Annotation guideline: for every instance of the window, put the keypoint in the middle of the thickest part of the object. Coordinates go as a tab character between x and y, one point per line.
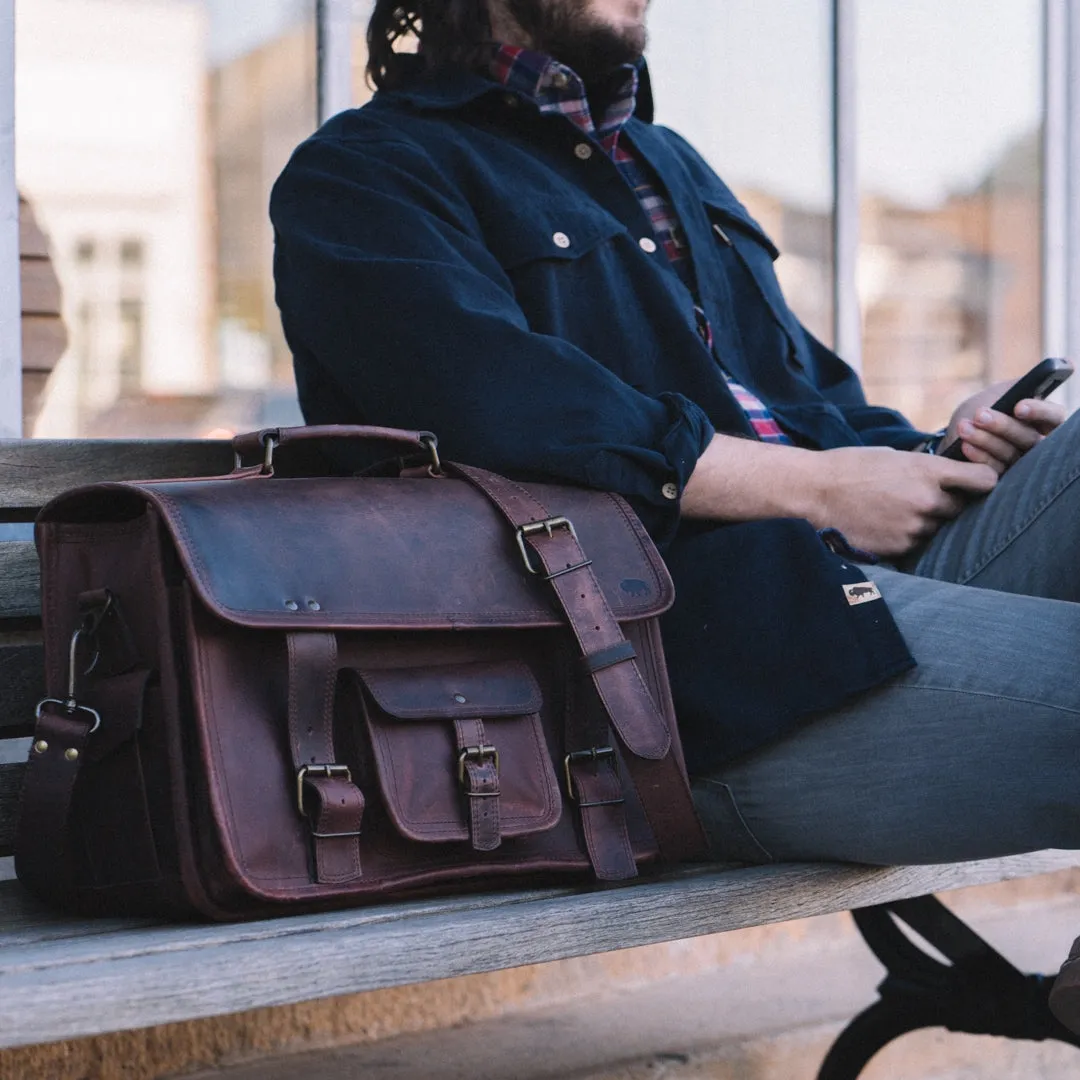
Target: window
148	135
950	139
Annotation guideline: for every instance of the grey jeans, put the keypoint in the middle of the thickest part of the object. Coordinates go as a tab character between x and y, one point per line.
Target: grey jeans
974	753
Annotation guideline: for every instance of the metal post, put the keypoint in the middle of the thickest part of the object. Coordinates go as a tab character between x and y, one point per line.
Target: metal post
1055	163
334	34
847	328
10	299
1072	173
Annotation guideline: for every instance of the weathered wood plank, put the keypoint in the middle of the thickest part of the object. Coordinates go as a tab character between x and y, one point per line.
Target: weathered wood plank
32	471
20	580
32	241
22	682
33	393
53	988
44	339
40	289
10	786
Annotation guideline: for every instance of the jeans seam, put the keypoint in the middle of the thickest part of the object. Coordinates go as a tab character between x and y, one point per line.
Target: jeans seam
990	696
741	821
1021	529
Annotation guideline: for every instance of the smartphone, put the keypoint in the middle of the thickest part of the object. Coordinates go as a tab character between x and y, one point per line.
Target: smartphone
1041	381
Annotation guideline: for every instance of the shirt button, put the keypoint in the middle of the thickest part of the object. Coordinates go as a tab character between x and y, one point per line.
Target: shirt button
511	100
560	80
583	151
670	491
561	240
648	245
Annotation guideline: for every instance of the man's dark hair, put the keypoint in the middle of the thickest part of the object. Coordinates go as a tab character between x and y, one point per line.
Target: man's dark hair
451	34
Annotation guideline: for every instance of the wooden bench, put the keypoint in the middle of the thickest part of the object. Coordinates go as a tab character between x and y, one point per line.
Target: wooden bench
56	970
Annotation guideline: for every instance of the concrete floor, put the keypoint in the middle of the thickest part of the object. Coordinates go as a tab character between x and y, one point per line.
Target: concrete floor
770	1014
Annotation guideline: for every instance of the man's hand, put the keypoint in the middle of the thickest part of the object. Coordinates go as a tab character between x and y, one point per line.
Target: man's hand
882	500
889	502
994	439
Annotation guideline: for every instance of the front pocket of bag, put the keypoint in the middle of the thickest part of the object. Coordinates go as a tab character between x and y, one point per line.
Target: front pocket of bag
410	713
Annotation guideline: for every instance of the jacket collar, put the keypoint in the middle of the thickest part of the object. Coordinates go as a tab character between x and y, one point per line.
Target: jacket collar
452	91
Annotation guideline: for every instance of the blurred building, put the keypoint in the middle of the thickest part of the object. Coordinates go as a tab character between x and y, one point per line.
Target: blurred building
112	147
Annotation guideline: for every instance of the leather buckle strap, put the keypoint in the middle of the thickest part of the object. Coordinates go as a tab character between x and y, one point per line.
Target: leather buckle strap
317	770
641	726
594	755
480	755
478	774
326	796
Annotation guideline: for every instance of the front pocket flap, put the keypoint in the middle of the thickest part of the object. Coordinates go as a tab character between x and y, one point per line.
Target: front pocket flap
558	231
417	762
465	690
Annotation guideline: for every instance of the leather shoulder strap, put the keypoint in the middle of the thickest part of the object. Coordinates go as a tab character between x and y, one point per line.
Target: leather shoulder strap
660	781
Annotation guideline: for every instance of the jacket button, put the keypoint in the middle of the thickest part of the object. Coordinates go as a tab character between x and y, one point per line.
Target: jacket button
561	240
583	151
648	245
511	100
670	491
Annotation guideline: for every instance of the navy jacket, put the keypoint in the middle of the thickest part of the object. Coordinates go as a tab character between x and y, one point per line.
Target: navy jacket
446	261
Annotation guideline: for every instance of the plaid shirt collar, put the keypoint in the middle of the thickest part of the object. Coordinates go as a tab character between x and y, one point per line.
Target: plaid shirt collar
555	88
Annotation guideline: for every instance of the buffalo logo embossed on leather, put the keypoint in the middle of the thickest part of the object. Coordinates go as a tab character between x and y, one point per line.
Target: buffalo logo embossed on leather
634	587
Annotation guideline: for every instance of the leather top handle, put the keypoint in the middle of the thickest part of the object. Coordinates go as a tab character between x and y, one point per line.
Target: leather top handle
268	439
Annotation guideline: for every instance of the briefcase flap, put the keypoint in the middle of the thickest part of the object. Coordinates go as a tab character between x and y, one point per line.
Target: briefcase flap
387	553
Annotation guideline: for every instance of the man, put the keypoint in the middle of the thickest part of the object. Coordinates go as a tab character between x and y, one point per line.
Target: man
502	248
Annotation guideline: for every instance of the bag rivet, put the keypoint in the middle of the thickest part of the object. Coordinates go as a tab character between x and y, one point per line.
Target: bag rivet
314	605
460	699
291	605
71	754
40	746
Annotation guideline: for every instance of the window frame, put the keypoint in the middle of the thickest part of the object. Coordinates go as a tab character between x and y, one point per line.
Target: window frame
334	23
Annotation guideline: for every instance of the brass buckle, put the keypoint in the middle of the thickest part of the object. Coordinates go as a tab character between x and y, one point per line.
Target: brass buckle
593	755
476	753
321	770
548	525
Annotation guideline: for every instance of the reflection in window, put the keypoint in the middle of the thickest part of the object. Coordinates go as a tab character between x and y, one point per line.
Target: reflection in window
131	252
148	141
950	172
749	84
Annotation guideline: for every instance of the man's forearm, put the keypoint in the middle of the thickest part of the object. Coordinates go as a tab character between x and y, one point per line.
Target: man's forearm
746	480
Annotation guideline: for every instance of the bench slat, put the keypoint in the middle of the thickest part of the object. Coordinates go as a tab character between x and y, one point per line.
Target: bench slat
54	984
33	471
10	786
22	683
20	580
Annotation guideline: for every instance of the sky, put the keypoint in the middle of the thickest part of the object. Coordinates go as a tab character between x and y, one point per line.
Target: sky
944	86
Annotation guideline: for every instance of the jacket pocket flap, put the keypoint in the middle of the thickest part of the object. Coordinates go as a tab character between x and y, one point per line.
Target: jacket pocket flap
550	231
734	214
443	693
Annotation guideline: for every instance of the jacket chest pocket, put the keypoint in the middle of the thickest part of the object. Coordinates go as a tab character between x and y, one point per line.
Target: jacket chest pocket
545	232
748	253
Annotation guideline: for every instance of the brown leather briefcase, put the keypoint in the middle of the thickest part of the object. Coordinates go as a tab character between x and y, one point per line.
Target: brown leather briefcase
269	694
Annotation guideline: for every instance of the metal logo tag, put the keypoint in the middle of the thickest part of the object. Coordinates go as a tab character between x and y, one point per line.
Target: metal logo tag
861	592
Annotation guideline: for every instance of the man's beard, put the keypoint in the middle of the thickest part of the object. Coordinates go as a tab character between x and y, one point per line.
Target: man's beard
564	30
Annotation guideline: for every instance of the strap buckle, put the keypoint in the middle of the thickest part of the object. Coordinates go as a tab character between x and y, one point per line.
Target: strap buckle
594	755
548	525
319	770
70	704
480	754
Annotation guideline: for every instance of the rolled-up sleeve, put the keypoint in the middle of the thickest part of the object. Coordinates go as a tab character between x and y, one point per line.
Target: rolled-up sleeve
398	314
